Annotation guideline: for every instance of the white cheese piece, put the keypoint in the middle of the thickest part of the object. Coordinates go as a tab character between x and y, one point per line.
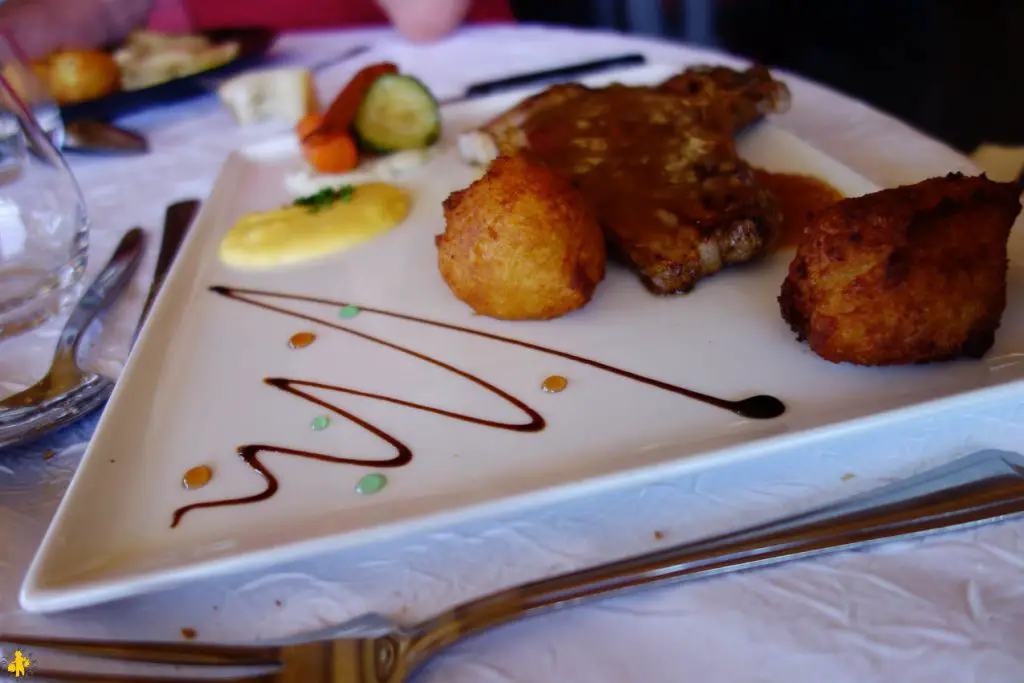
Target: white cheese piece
284	94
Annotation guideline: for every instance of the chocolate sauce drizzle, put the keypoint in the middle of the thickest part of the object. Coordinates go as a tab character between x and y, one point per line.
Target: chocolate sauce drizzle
756	407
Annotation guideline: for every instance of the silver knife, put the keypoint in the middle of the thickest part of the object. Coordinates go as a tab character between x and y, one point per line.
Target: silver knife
98	137
177	220
558	74
351	52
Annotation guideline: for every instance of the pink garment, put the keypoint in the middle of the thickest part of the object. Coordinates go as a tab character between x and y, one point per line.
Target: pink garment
169	16
187	15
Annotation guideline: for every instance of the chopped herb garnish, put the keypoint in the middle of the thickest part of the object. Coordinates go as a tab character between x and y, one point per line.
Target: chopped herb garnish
326	197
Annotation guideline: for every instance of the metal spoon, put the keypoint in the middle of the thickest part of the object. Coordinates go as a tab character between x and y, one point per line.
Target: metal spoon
68	392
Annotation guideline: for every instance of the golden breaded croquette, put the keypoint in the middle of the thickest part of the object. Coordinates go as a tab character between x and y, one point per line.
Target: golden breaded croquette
912	274
520	243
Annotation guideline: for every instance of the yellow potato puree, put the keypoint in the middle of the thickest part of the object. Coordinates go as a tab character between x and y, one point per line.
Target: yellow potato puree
298	233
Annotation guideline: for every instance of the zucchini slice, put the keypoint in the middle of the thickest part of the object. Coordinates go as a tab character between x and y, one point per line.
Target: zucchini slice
398	112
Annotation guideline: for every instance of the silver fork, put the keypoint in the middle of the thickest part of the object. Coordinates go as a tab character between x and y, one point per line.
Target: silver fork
66	383
982	487
68	393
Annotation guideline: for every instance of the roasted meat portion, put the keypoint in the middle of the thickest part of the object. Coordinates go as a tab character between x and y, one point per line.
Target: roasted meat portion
658	166
729	98
912	274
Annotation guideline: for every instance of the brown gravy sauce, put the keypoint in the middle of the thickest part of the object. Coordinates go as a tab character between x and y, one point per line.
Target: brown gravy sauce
799	197
755	407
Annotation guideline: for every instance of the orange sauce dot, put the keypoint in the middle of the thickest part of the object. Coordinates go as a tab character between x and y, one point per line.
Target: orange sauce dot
301	340
197	477
554	384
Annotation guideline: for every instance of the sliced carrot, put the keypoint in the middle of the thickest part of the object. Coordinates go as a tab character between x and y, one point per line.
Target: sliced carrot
308	124
342	111
331	152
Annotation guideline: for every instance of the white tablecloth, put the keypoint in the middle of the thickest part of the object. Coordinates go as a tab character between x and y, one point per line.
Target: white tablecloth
950	609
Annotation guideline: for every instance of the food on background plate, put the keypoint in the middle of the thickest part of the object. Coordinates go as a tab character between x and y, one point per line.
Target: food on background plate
77	75
379	111
149	58
657	165
520	243
314	226
72	75
912	274
285	94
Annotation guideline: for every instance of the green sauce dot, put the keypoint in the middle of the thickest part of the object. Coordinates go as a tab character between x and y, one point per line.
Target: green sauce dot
371	483
348	312
320	423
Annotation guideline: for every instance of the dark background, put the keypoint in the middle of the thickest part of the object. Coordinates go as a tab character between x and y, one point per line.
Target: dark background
952	68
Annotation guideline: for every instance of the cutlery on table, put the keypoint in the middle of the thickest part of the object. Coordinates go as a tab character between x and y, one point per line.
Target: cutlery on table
99	137
982	487
334	60
65	376
177	221
555	75
212	84
95	138
67	393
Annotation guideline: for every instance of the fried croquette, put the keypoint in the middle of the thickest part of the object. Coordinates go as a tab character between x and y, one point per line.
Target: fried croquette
520	243
913	274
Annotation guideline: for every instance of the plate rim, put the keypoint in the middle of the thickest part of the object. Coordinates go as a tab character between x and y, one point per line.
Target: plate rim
45	600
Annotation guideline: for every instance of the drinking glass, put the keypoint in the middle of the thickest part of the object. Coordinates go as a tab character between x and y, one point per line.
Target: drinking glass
44	227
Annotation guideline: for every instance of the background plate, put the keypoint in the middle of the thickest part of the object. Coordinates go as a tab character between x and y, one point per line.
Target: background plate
192	391
254	42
